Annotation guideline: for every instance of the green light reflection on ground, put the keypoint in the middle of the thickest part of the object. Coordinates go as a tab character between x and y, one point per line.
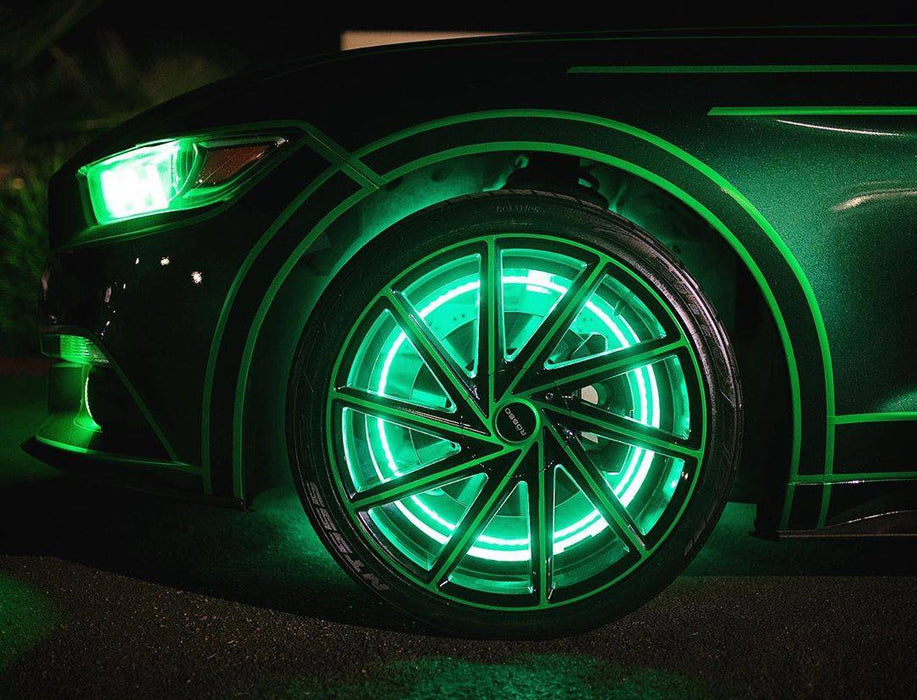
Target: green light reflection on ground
26	617
532	676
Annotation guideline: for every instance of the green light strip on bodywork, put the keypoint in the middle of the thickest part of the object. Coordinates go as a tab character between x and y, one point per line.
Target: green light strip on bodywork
695	205
811	111
830	477
828	110
332	151
118	459
853	418
745	69
340	161
729	189
854	477
718	225
537	146
733	240
251	339
571	116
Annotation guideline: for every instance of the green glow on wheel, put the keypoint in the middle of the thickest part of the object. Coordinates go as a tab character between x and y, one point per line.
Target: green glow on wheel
380	448
634	473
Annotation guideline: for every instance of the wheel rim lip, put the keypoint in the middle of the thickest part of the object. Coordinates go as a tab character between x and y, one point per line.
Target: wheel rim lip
515	602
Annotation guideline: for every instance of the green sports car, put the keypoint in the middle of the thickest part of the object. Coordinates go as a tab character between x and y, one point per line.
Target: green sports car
516	315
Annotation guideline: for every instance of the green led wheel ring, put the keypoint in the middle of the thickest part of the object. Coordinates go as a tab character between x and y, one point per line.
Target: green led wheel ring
412	372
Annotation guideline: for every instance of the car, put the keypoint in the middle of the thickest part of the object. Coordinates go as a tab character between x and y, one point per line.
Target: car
511	312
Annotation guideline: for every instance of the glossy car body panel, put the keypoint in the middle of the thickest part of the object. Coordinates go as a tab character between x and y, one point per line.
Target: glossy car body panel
796	148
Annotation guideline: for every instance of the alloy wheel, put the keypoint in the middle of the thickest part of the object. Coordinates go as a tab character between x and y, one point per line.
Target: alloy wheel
516	422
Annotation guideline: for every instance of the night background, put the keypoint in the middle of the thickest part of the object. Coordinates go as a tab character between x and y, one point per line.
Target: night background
111	594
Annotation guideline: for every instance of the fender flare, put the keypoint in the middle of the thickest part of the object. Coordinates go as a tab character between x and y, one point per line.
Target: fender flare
792	302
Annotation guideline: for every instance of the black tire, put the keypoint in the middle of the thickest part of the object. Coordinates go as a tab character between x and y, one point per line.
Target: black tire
430	230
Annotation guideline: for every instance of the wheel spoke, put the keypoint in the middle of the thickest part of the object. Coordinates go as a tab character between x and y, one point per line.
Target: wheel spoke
436	358
602	367
549	331
541	525
439	423
589	479
583	416
489	501
489	314
428	477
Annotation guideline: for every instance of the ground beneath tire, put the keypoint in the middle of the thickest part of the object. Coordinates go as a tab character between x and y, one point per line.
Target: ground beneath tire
112	593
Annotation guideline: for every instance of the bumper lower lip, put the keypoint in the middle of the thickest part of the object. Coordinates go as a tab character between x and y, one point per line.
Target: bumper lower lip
95	423
149	475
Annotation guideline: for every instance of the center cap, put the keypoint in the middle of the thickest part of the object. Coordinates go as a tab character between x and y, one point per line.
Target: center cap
516	421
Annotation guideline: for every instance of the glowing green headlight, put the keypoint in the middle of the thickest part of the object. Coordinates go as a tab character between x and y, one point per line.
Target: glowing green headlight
173	175
140	181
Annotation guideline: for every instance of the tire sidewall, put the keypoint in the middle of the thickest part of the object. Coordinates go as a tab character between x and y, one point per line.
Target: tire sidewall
422	234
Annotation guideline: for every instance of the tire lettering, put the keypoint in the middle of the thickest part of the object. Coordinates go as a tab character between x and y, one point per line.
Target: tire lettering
336	540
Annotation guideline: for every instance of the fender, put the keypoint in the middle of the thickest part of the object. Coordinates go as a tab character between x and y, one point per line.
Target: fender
354	177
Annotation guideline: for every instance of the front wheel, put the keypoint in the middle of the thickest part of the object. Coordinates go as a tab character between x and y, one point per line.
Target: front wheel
514	414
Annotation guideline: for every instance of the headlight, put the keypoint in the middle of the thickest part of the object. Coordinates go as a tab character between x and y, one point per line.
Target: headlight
174	175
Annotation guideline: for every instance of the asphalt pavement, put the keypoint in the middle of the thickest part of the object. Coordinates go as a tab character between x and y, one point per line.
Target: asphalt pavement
106	592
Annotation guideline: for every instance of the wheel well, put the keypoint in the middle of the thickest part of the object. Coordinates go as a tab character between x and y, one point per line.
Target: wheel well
721	273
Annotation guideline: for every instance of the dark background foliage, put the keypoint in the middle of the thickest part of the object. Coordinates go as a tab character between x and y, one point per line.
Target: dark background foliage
69	69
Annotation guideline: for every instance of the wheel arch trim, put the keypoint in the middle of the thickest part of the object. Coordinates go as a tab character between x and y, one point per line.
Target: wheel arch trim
369	182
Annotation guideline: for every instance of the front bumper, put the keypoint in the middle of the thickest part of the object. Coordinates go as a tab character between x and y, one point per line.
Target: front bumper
136	400
96	427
